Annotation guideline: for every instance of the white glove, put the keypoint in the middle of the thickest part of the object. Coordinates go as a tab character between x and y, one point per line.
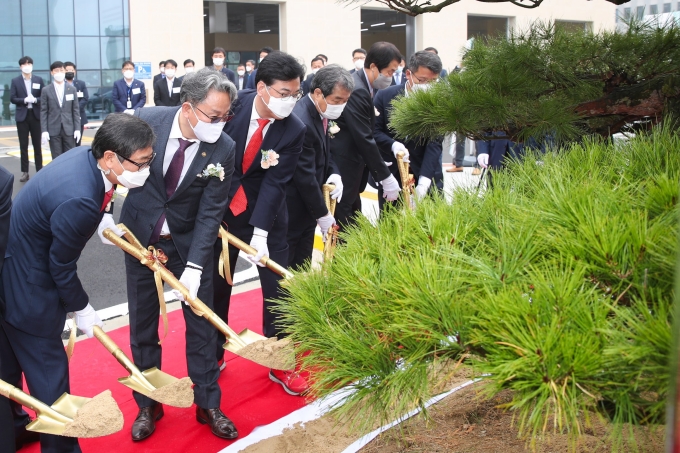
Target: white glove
336	193
107	222
390	188
76	135
45	138
259	243
29	99
422	187
129	111
325	223
86	319
191	279
483	160
399	147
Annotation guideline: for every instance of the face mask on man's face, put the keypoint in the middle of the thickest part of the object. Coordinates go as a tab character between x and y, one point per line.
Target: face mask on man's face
59	76
249	68
70	75
188	69
382	81
218	61
170	73
27	68
241	72
280	107
206	132
162	70
128	74
132	179
359	64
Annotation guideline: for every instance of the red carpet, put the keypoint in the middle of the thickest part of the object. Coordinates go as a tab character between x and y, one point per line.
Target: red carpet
249	398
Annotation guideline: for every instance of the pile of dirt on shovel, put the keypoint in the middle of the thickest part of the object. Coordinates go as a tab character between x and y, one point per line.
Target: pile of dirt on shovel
99	417
276	354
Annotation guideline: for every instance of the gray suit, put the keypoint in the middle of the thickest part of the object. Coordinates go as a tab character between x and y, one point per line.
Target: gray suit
193	214
60	120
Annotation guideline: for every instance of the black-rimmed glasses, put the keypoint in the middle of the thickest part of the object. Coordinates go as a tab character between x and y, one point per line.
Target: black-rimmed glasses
140	165
284	97
217	119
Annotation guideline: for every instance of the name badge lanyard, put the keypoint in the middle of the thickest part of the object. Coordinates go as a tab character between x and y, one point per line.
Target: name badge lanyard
129	102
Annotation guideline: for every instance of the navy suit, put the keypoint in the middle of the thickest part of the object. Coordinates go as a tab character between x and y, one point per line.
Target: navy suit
28	124
121	91
250	85
231	75
266	194
402	79
53	217
304	196
6	423
425	157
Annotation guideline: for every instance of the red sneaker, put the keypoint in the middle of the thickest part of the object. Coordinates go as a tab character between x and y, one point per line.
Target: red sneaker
291	381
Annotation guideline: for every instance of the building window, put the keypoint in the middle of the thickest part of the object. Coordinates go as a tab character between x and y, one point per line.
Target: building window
383	25
666	7
486	27
653	9
626	13
640	12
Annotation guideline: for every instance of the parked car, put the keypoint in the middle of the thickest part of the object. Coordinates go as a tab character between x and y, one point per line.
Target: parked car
101	101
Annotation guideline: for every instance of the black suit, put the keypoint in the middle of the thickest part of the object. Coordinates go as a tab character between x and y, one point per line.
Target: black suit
304	196
162	97
354	150
28	123
307	84
402	79
265	191
6	422
425	156
231	75
158	77
193	214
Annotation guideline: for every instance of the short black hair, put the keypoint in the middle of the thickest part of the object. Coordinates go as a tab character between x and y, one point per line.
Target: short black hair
123	134
219	50
69	63
171	62
279	66
241	64
359	50
56	64
318	59
127	62
266	49
403	59
431	49
325	58
25	60
162	63
381	54
189	60
252	62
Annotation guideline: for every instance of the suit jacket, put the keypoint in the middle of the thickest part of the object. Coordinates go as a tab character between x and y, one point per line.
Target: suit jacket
157	77
196	208
251	80
54	116
163	97
6	186
53	217
402	80
18	94
425	157
83	97
245	81
231	75
355	141
315	163
265	189
119	95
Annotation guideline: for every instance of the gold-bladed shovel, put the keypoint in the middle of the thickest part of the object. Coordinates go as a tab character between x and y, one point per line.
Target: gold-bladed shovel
154	383
332	233
70	416
266	351
239	244
407	184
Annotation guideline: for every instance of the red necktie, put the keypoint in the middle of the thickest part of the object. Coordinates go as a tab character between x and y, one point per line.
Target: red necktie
107	198
240	202
325	125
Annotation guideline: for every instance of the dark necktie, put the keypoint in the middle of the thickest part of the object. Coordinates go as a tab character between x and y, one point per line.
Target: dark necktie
239	203
107	198
171	179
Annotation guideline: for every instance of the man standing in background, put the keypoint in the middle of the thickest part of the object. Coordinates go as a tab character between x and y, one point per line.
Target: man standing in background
263	54
59	113
219	56
129	94
166	91
161	75
81	92
358	57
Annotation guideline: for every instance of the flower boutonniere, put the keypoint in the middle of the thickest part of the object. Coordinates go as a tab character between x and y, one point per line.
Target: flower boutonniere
333	128
269	158
212	170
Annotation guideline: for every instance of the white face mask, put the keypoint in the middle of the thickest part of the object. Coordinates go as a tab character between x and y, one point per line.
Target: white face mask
359	63
218	61
59	76
315	70
382	82
419	86
188	69
128	74
241	72
332	112
249	69
27	68
279	107
162	70
132	179
206	132
170	73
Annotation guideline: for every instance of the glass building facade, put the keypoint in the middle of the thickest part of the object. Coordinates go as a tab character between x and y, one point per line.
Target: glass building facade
94	34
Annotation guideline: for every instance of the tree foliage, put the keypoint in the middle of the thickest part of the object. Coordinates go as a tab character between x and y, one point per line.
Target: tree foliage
551	82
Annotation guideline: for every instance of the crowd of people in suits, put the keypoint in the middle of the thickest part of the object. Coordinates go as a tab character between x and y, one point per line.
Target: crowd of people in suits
249	151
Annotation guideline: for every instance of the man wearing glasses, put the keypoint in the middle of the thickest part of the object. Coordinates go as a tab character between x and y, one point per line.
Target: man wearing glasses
179	211
268	144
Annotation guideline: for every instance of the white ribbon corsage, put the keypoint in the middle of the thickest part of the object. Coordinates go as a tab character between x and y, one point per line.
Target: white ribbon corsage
333	129
269	158
212	170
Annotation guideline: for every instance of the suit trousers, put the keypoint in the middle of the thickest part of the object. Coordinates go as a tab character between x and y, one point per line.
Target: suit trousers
30	126
44	364
200	334
61	143
269	280
301	229
354	179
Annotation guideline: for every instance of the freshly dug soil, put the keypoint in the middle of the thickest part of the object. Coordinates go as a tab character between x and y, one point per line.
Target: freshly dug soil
98	417
177	394
272	353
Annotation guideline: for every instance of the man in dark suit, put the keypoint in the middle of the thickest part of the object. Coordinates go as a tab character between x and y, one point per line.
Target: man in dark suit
160	75
330	90
82	95
189	67
219	56
179	211
317	63
266	50
25	94
53	217
354	150
129	94
241	77
166	91
59	113
250	66
358	58
398	78
425	155
268	144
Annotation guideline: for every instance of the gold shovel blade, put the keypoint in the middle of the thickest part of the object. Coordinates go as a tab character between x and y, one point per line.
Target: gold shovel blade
67	405
153	380
279	360
248	337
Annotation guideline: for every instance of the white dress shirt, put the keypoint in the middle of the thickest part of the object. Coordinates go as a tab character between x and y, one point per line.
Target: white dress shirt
29	87
170	83
240	82
253	125
171	149
59	89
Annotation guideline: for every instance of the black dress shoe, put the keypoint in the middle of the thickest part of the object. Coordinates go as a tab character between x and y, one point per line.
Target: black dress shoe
220	425
145	423
25	437
24	177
